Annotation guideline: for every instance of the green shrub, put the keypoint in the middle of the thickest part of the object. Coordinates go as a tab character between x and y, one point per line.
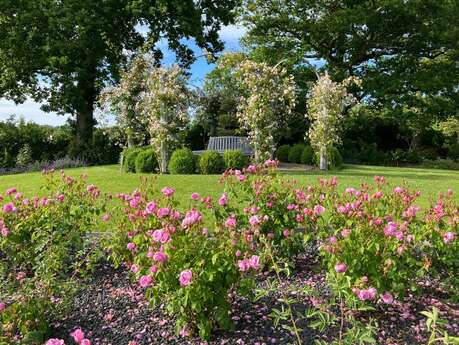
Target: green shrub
24	156
448	164
182	162
211	162
129	157
234	159
145	161
282	153
294	154
307	156
335	160
453	151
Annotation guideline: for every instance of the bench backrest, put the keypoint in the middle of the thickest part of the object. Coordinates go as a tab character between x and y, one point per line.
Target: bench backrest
222	144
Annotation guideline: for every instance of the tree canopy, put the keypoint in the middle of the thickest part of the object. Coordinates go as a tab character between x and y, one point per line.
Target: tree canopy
63	53
404	51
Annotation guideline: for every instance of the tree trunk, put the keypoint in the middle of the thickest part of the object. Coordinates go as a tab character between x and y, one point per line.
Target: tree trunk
163	148
164	158
85	109
323	159
84	129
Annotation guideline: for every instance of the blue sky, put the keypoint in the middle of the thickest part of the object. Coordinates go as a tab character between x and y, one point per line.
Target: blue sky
30	110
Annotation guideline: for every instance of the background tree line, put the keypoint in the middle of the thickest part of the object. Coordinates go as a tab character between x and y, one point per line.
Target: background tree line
404	53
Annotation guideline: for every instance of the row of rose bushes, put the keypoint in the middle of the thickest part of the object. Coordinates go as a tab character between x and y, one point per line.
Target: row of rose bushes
373	240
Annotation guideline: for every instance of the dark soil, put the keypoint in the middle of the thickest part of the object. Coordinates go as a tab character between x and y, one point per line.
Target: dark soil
112	310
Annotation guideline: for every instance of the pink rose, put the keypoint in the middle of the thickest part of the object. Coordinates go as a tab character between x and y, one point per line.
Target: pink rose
223	199
340	267
145	281
11	191
185	277
251	169
163	211
345	233
151	207
2	306
5	231
55	342
398	190
134	203
319	209
160	257
286	233
230	222
387	298
255	262
9	207
390	229
105	217
254	220
194	196
191	217
77	335
333	240
131	246
449	237
167	191
85	342
135	268
244	265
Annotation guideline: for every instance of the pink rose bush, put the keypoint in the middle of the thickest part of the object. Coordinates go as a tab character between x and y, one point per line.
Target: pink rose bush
185	258
270	209
379	233
42	242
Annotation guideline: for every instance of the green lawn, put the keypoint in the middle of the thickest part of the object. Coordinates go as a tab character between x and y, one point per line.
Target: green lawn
110	178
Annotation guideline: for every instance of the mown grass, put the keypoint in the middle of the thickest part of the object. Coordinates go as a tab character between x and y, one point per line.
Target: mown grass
111	179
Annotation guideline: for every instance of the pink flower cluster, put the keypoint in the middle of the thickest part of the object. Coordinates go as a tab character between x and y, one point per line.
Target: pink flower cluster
365	294
246	264
77	335
191	217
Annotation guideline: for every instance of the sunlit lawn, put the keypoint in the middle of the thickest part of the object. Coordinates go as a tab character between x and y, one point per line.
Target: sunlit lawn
111	179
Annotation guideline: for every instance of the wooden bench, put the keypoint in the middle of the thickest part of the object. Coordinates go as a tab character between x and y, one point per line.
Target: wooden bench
222	144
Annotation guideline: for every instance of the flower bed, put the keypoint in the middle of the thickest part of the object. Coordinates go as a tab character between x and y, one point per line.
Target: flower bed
375	246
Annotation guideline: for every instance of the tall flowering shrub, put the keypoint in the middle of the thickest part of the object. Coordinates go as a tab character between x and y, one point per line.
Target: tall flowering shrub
268	96
164	109
183	259
123	99
43	250
326	103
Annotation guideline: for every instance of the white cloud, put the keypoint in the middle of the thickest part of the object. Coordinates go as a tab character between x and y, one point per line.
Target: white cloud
232	33
31	111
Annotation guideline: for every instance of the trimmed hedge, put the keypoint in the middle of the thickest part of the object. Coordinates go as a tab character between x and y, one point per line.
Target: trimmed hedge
211	162
282	153
146	161
182	162
307	156
235	159
129	156
294	154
